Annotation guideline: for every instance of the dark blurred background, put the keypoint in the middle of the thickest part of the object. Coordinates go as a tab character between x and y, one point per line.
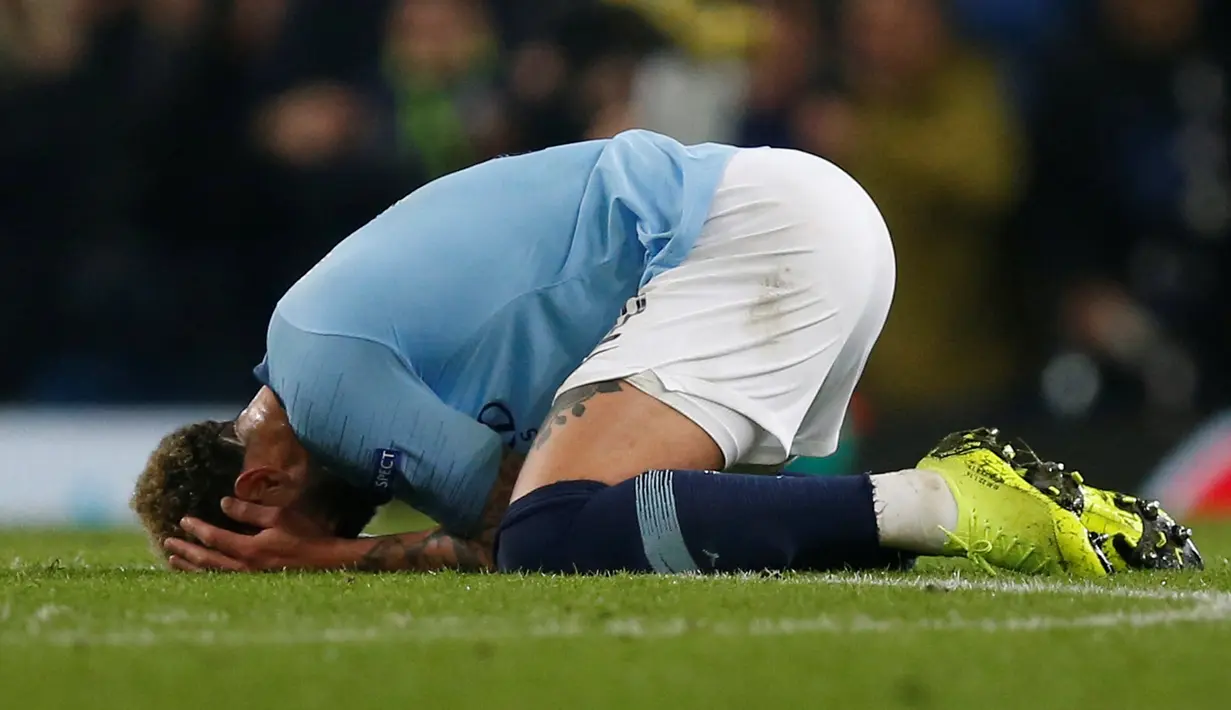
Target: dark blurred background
1054	172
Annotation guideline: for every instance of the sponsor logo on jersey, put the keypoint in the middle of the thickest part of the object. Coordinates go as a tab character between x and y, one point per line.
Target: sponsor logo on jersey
387	464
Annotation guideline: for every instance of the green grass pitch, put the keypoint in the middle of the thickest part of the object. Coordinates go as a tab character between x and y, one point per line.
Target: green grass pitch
86	621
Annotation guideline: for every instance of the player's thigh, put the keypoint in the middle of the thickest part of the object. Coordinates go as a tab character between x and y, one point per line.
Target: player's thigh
609	432
727	352
821	427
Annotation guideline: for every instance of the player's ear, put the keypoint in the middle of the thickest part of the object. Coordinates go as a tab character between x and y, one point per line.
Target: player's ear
267	485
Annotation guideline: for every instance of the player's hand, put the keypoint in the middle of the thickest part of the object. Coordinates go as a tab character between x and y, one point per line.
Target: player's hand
286	542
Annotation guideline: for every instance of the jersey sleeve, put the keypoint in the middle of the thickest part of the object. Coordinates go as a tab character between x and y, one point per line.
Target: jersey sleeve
356	405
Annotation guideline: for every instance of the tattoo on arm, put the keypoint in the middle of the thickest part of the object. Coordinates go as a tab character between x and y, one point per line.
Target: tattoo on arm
572	403
438	550
426	552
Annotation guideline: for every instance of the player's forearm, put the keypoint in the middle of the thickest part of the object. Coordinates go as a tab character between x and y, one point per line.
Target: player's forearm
431	550
423	551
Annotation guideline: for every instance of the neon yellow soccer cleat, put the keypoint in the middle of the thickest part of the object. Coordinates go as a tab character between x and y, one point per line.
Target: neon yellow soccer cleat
1005	522
1133	533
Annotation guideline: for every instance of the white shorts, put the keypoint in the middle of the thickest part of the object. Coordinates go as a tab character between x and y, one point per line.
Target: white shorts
761	334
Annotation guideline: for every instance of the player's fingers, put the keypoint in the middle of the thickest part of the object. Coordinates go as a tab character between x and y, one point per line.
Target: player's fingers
261	516
200	557
179	563
229	543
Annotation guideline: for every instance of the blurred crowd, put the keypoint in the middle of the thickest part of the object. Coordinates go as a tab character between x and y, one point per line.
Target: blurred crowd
1055	172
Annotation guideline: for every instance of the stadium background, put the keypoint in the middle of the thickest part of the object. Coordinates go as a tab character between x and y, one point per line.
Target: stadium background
1054	172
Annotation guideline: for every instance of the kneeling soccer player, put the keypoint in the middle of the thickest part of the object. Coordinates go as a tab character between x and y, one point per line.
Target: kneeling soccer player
665	311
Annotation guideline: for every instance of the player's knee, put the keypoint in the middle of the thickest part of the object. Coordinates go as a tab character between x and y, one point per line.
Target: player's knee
536	533
573	527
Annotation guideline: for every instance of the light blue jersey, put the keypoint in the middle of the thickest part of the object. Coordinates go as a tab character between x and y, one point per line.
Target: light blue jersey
437	334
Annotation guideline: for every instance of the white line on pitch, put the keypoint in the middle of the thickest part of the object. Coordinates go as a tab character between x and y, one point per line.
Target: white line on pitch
1029	586
461	629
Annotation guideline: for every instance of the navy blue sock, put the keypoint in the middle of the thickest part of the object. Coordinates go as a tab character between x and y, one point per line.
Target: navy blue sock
696	521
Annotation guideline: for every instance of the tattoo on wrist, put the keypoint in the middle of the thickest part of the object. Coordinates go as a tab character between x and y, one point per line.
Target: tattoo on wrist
438	550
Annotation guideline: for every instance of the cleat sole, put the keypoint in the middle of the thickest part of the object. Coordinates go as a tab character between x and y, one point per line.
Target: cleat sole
1163	544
